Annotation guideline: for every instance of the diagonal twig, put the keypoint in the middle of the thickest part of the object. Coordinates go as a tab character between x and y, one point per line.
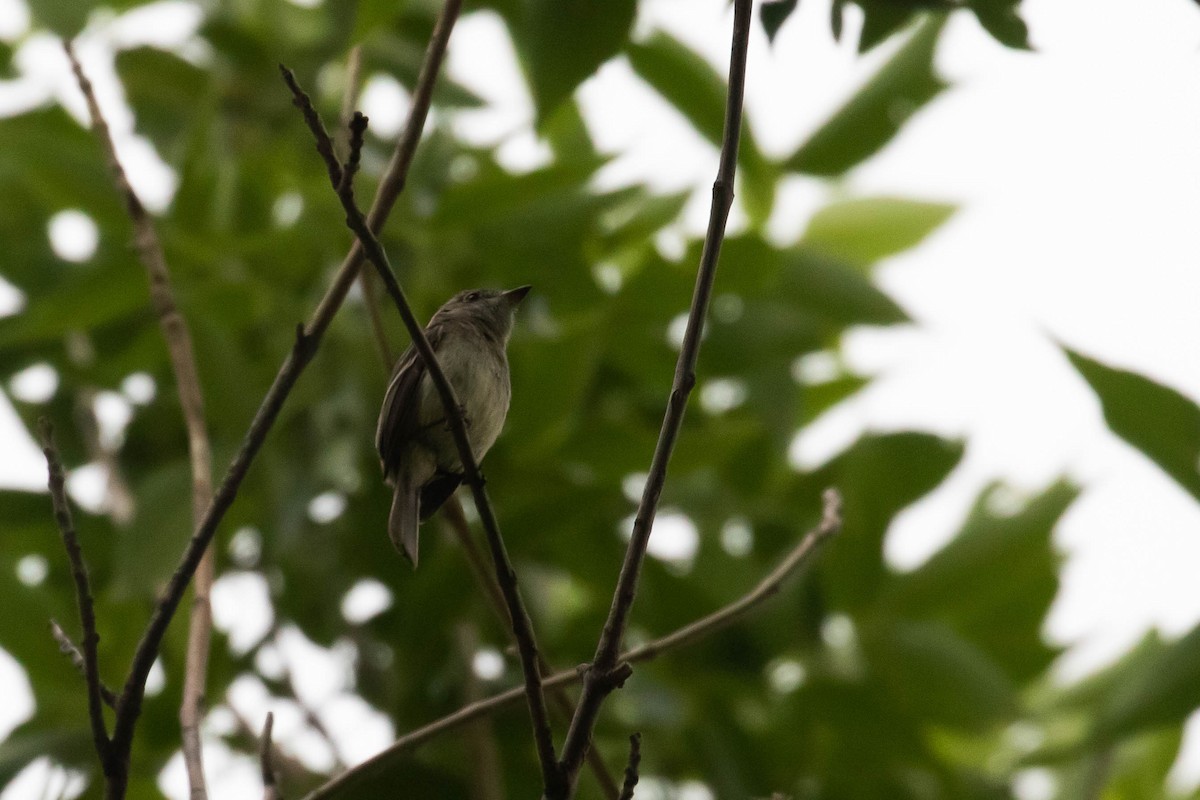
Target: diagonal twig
605	672
521	624
191	400
307	340
83	592
766	588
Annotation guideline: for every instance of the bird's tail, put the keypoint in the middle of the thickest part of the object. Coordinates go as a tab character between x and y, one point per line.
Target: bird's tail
404	519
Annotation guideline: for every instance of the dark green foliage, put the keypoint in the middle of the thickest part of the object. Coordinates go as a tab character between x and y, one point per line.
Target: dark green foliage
857	682
1155	419
875	114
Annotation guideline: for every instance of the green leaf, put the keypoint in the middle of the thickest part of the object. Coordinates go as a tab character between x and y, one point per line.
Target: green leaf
6	65
773	14
1001	570
1001	19
837	291
867	230
562	42
86	297
874	115
161	87
65	17
697	91
940	677
878	477
880	21
1165	691
1159	421
370	15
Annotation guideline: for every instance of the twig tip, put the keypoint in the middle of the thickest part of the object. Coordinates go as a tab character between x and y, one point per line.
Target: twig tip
831	515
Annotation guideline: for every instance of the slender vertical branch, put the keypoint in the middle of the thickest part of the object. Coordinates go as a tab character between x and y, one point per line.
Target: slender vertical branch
601	679
191	399
83	594
505	574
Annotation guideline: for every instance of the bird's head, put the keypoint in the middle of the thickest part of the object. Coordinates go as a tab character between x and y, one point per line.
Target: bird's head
491	309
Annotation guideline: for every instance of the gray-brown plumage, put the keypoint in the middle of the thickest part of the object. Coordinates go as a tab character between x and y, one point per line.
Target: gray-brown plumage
469	334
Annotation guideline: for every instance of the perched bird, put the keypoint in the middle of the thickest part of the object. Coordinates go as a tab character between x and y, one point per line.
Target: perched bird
469	334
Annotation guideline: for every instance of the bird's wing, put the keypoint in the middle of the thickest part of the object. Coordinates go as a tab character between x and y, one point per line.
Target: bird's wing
398	418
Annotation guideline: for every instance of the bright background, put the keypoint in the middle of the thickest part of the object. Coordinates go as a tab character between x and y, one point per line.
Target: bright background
1077	172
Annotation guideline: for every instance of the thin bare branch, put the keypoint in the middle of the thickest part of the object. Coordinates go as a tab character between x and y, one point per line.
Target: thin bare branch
307	340
601	679
631	769
766	588
506	576
71	650
191	400
266	761
560	701
83	593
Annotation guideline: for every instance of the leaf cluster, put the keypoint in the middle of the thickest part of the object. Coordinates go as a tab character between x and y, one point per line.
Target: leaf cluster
858	682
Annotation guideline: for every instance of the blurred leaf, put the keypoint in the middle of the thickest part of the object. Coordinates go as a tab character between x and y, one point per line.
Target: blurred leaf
1002	572
1157	420
773	14
564	41
149	551
65	17
1003	21
837	19
833	289
697	91
874	115
878	476
6	66
1164	690
86	297
371	15
940	677
881	20
867	230
158	84
23	747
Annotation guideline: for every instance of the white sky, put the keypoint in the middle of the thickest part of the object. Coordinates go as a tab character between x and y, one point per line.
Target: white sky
1078	174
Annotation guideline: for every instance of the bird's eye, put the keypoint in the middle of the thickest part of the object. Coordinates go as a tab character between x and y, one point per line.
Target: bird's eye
472	297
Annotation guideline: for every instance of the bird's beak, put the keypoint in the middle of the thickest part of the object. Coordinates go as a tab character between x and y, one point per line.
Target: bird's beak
515	296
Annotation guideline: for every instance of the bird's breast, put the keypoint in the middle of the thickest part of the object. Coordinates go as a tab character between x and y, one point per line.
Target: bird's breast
478	371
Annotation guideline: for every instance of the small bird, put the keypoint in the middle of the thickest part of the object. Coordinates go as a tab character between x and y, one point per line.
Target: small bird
469	334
